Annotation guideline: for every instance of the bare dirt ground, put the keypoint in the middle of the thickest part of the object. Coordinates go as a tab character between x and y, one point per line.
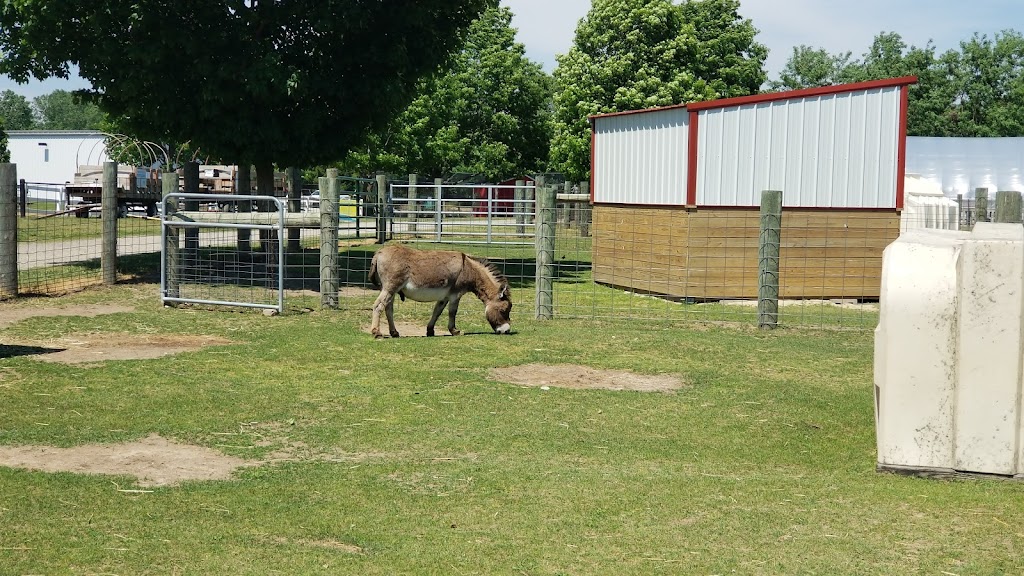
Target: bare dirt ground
89	348
13	316
583	378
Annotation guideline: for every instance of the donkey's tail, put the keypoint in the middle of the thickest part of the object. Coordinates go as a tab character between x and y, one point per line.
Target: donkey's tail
374	277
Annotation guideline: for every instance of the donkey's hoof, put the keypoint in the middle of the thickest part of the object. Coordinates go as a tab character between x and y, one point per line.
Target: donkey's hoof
456	332
395	334
430	331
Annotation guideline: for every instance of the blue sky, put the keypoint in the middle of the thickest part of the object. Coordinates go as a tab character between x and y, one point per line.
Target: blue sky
546	27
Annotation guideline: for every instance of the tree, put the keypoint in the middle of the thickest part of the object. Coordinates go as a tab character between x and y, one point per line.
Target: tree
811	67
5	153
62	110
16	111
630	54
257	81
987	77
489	114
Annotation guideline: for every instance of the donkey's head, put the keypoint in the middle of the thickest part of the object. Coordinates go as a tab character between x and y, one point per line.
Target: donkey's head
499	311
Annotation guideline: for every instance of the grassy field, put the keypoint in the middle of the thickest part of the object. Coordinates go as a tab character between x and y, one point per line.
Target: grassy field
762	464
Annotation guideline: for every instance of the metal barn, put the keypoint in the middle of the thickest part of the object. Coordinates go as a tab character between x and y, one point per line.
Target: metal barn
676	191
53	156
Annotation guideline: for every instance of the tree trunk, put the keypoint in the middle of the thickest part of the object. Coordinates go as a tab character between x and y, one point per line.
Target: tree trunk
265	187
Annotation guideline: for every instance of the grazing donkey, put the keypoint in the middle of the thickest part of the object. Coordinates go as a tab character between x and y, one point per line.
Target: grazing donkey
440	276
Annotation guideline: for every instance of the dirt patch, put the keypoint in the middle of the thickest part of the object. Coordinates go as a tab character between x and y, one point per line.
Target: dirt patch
324	544
88	348
410	329
9	316
583	378
155	461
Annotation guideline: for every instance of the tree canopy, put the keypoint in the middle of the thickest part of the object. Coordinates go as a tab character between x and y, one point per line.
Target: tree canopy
631	54
487	114
977	90
257	81
63	110
16	111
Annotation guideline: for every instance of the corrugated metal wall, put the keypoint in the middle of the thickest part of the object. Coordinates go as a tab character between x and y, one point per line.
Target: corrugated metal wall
837	150
641	158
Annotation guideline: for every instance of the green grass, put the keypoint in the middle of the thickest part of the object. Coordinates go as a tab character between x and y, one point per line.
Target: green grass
764	464
59	228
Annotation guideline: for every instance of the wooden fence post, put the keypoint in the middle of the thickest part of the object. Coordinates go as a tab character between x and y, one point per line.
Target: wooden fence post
587	211
960	211
545	231
172	246
108	209
768	259
438	208
520	207
243	187
382	206
8	231
329	219
981	204
293	180
413	208
1008	207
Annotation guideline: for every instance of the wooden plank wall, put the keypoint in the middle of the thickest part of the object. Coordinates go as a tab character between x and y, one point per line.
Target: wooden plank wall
712	253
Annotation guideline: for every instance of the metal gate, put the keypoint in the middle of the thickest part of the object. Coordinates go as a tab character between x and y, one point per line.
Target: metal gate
462	214
223	250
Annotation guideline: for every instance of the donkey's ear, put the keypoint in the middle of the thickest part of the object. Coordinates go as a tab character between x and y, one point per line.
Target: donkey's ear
503	293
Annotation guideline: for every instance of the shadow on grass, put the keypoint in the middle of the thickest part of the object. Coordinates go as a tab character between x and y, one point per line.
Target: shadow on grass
14	350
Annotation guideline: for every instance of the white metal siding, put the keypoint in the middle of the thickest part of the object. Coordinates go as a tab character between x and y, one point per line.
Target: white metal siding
831	151
53	157
641	158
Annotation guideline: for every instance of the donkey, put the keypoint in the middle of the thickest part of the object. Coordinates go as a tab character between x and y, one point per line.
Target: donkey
439	276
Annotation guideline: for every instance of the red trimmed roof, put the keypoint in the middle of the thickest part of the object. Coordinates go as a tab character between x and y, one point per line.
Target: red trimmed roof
773	96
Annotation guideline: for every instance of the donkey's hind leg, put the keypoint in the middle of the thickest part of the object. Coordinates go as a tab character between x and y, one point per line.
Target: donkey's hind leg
438	308
384	303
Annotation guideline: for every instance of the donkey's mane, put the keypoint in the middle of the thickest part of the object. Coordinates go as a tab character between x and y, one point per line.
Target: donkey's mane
497	273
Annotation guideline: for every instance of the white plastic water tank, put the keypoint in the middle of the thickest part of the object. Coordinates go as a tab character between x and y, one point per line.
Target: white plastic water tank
948	351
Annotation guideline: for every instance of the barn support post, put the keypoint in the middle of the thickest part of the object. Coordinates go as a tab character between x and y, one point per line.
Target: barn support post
243	186
192	187
520	207
172	240
8	231
981	204
1008	207
329	188
108	207
293	180
770	240
545	231
587	211
382	205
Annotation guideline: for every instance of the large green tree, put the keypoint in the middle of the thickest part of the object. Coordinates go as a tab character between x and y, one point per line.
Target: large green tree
488	114
809	67
631	54
5	153
257	81
63	110
16	111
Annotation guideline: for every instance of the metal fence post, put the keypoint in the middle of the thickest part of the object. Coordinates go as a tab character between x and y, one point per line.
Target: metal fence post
329	187
1008	207
545	228
8	231
172	240
768	259
108	207
23	198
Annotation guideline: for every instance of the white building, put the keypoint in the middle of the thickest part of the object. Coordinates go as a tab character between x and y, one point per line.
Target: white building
53	156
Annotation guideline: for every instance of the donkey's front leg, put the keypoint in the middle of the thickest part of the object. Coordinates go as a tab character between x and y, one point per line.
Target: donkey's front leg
390	309
453	309
438	308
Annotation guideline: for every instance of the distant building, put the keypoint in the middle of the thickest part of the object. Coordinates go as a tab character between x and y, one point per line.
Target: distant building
53	156
962	165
